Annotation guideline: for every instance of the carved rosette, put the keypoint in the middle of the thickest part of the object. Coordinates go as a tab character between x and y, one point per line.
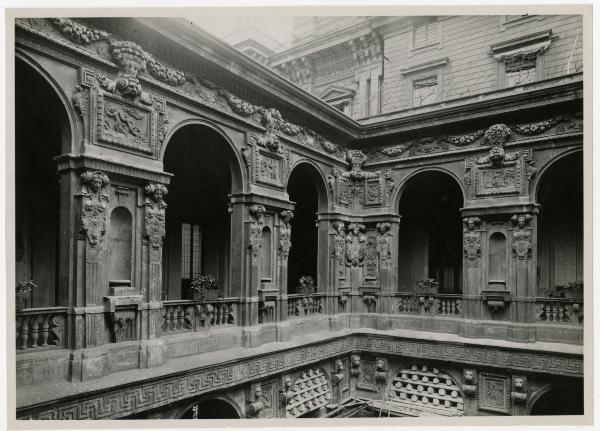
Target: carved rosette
94	206
355	245
257	213
471	238
154	218
285	233
521	236
384	244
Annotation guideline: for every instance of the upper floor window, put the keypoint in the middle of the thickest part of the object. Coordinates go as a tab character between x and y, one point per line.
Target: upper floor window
190	251
426	31
521	60
425	91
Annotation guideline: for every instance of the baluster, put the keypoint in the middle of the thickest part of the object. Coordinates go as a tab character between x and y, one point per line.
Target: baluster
24	332
169	318
34	331
561	312
172	318
554	313
219	315
180	318
45	328
548	312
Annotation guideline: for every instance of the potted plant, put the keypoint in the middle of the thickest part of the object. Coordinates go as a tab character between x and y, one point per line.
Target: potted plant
307	285
426	286
574	290
205	287
23	294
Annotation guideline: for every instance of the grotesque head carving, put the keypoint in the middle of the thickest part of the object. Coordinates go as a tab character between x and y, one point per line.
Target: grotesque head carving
339	366
380	365
519	383
521	220
258	392
355	360
469	375
156	192
356	158
472	222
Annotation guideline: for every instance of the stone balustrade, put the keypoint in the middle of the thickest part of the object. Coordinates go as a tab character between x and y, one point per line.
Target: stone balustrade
38	328
194	315
300	305
430	303
559	310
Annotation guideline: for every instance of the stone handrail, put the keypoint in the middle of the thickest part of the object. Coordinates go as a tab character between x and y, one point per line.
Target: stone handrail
194	315
429	303
559	310
40	328
300	305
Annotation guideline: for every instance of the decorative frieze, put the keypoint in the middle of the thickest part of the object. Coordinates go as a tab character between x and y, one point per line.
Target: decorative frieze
94	206
123	401
154	217
496	135
257	213
471	238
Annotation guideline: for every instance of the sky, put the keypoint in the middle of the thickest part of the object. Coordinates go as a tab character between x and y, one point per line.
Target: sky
277	27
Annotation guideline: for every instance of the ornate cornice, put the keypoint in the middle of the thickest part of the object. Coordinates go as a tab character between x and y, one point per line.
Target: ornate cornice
123	400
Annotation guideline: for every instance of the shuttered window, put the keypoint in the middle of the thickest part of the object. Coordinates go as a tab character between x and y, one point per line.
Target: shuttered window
427	32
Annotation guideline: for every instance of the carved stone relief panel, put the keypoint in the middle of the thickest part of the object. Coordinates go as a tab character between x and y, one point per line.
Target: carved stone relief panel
494	392
270	167
371	261
112	120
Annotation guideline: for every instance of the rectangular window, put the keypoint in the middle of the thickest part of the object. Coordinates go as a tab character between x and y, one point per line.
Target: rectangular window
426	31
520	71
190	250
425	91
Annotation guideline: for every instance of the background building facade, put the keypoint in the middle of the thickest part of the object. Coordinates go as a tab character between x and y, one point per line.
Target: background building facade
399	227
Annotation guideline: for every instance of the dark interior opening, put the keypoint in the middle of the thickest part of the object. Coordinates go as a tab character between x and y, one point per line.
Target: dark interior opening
560	401
197	217
304	251
211	409
40	123
430	239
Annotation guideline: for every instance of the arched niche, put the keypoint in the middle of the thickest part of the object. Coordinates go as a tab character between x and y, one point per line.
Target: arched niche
430	236
306	189
120	247
560	225
497	263
205	172
42	132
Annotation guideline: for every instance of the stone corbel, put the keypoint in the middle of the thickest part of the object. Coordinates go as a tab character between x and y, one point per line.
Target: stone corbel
286	395
496	300
338	373
469	386
355	365
519	390
371	302
381	371
259	402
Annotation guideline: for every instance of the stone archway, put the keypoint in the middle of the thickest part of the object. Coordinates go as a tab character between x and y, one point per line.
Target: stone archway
198	225
42	132
563	400
430	237
303	190
211	408
560	226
